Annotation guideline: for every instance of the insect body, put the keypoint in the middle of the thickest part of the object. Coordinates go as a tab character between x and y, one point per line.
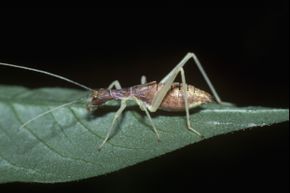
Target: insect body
172	102
165	95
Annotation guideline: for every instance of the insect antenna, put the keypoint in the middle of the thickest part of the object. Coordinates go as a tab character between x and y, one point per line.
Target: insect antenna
53	75
47	73
49	111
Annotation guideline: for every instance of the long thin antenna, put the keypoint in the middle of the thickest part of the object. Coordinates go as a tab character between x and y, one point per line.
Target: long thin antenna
49	111
47	73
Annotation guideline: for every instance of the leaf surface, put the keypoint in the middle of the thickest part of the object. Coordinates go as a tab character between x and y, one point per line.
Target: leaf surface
62	146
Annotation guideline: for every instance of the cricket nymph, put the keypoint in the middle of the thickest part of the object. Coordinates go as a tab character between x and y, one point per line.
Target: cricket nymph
165	95
173	100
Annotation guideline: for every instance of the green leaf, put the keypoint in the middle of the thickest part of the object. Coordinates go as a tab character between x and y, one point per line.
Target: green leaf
62	146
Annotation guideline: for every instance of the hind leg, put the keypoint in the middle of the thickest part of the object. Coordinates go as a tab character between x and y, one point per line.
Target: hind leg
168	80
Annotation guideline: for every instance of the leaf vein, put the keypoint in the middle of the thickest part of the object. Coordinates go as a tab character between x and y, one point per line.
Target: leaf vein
45	144
93	133
29	170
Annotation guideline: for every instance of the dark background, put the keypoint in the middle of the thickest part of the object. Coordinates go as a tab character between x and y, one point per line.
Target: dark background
243	45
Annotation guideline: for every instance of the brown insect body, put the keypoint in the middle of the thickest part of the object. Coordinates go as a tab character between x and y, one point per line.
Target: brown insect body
173	101
150	96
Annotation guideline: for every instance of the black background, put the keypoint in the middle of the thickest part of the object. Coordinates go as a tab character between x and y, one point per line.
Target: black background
243	45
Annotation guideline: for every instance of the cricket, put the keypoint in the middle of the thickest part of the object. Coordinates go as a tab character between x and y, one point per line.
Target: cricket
165	95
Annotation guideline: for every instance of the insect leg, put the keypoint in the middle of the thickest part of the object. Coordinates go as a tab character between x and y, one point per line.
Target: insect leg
167	80
116	116
144	108
188	56
184	90
202	71
115	84
143	79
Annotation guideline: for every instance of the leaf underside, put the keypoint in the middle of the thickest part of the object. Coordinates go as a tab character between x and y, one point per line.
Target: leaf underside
62	146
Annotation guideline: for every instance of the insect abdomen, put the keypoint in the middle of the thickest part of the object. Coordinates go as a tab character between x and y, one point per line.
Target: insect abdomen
174	100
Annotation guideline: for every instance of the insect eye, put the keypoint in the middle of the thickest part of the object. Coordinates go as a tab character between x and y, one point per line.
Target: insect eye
95	97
